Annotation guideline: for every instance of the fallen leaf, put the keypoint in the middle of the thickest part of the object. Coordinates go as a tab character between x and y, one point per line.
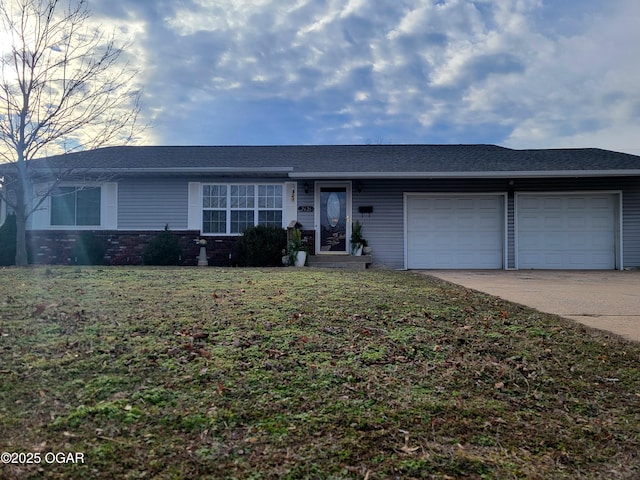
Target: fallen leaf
408	449
204	353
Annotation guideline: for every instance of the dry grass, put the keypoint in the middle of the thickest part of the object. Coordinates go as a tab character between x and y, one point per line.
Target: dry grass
299	373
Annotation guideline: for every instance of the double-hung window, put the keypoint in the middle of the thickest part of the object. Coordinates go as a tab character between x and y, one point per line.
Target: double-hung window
75	206
231	208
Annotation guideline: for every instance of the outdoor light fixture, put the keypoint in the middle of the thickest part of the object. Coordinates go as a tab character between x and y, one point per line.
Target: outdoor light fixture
359	187
306	187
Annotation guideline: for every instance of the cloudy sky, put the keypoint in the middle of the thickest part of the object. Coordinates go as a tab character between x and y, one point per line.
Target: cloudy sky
518	73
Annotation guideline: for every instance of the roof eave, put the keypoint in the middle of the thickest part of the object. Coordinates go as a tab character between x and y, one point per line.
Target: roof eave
363	175
454	175
239	171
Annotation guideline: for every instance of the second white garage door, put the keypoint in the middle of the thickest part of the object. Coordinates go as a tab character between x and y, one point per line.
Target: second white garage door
571	231
461	231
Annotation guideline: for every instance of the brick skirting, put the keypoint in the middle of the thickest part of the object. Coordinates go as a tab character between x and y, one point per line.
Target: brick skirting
49	247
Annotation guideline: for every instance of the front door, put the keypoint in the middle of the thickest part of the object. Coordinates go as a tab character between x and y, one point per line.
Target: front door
332	218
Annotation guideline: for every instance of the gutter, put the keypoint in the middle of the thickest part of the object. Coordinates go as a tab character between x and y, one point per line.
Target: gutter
194	170
485	174
292	174
239	171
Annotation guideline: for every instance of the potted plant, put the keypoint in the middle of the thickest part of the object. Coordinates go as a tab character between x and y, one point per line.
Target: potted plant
358	242
296	250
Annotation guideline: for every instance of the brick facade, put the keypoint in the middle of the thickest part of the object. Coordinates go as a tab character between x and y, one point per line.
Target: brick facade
124	247
309	240
58	247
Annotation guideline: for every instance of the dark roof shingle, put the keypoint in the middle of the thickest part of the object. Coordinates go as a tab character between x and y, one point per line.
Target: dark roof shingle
303	160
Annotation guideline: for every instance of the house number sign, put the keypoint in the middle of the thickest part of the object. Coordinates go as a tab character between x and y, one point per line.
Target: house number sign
305	208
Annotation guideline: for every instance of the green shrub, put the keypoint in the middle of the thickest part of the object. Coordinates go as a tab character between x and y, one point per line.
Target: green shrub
261	246
8	241
164	249
89	250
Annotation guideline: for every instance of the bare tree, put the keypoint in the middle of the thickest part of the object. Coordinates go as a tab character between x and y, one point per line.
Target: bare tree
63	87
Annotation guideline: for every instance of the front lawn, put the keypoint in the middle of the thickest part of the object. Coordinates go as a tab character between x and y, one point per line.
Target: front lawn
171	373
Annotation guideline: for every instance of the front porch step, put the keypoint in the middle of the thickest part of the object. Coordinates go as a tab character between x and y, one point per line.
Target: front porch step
350	262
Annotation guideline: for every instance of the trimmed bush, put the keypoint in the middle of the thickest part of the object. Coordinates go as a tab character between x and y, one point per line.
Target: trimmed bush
261	246
8	241
89	250
164	249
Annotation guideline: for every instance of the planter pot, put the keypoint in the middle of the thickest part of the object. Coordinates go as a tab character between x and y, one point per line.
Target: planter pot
356	250
301	259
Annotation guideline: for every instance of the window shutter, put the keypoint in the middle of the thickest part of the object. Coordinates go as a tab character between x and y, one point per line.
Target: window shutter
194	215
40	218
290	203
109	206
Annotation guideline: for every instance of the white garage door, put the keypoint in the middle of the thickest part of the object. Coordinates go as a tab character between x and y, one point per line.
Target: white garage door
463	231
566	231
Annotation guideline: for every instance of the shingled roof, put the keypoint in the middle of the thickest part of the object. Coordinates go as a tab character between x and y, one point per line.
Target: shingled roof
353	161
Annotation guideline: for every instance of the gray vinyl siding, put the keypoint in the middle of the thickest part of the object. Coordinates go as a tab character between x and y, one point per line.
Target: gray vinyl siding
152	203
306	219
630	188
631	225
511	228
384	228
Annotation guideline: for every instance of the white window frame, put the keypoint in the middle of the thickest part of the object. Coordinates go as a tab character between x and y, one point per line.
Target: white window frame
228	209
74	191
41	217
3	211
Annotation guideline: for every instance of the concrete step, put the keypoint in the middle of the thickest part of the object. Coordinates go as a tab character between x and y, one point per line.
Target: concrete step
350	262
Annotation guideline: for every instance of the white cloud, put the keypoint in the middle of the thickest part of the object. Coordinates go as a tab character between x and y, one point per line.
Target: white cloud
521	72
583	91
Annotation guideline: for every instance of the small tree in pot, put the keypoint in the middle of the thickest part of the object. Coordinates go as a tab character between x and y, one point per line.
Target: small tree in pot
296	250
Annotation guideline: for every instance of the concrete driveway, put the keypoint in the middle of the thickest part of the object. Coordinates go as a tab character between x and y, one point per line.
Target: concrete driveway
607	300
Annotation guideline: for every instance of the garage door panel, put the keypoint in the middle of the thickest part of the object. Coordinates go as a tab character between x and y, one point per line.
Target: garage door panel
566	231
602	222
529	223
462	204
599	241
577	223
577	203
553	221
553	203
455	231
